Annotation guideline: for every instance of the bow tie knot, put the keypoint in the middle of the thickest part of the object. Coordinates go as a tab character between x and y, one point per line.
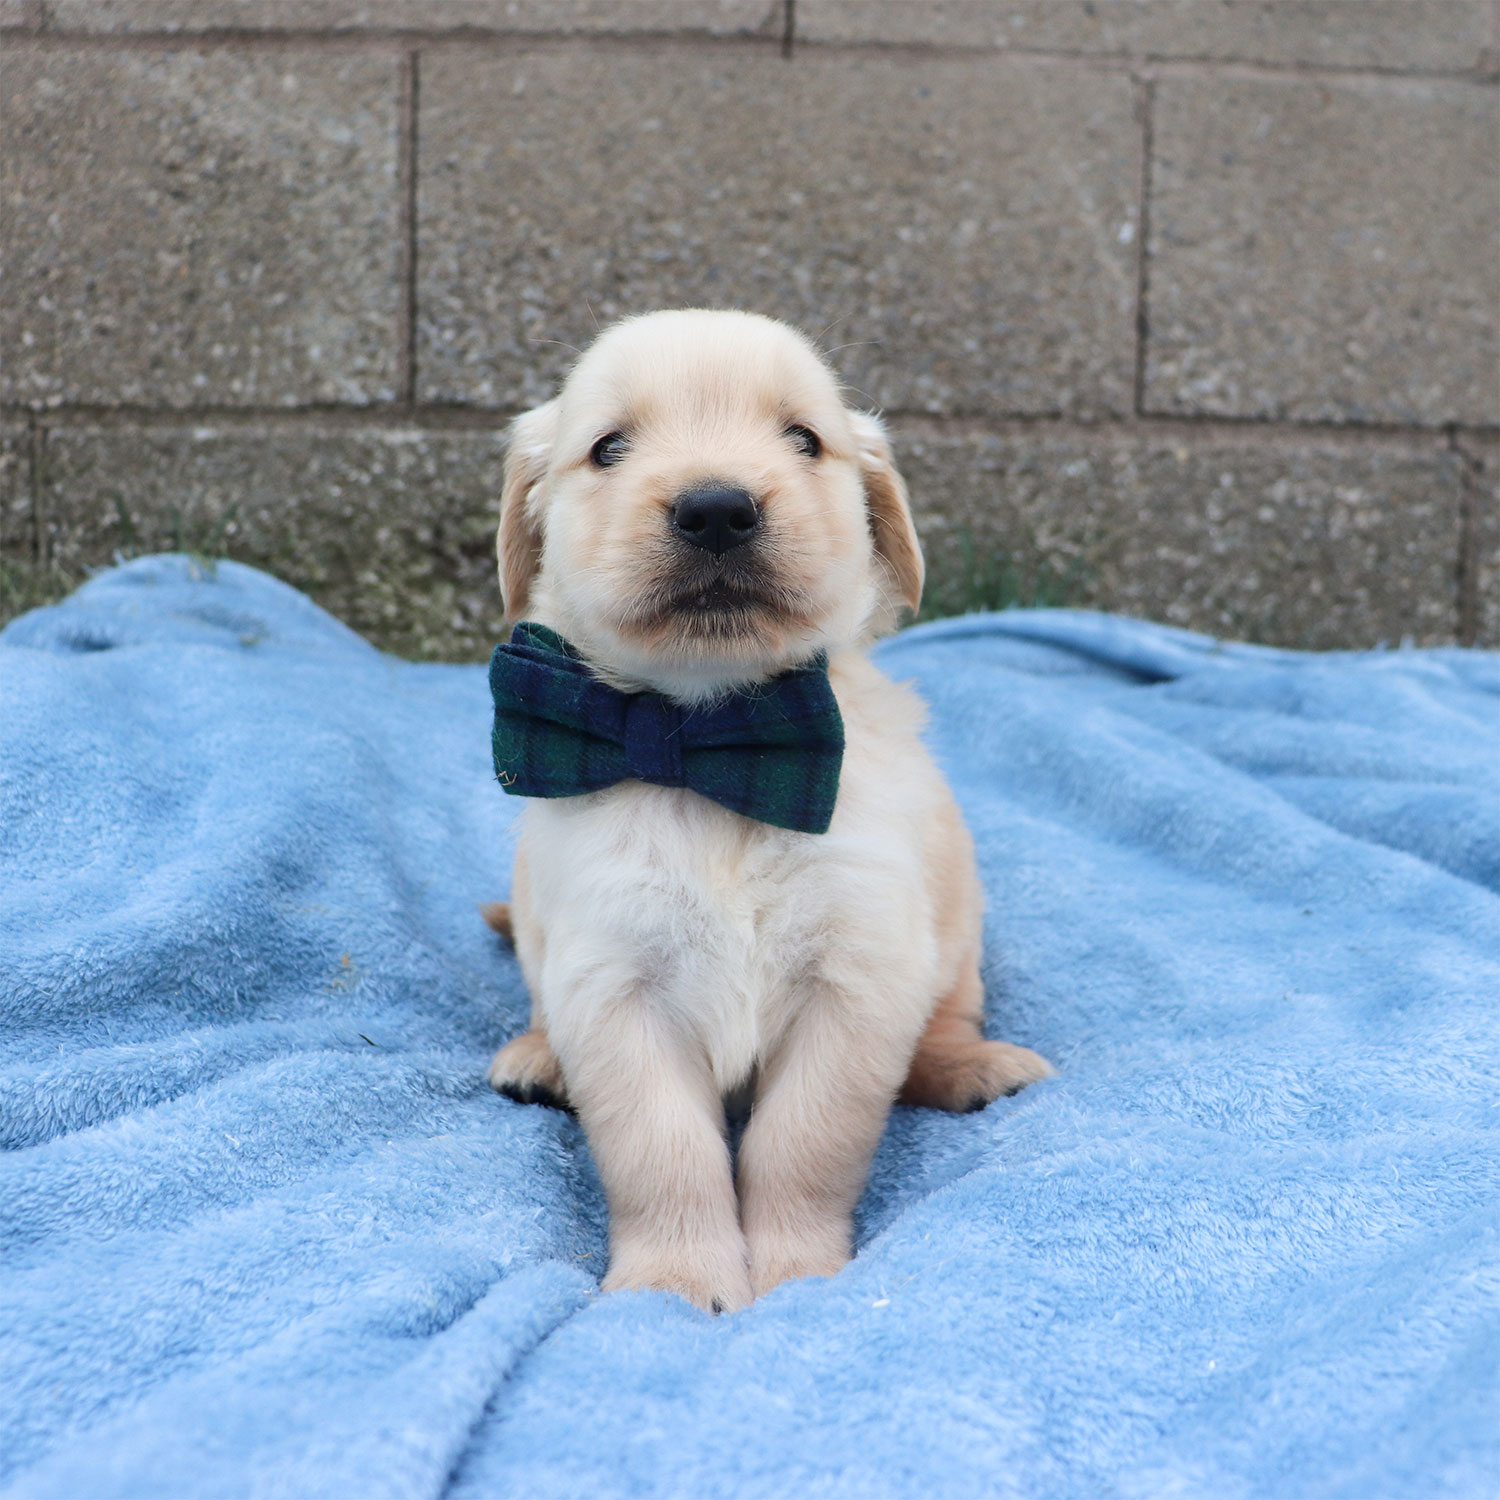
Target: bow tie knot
772	753
653	739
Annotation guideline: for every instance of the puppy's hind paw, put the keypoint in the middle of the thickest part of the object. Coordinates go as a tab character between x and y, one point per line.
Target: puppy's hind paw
497	917
527	1071
964	1076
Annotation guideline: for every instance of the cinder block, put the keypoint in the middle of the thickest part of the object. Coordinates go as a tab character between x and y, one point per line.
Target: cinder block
1430	34
709	17
1315	544
959	231
1325	251
393	531
188	228
1305	544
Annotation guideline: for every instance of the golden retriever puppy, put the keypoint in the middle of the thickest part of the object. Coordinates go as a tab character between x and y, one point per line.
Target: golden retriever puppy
696	515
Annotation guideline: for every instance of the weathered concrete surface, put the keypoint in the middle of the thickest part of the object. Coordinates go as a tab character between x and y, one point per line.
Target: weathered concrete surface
217	220
1325	253
964	227
1430	34
1310	545
393	531
709	17
187	228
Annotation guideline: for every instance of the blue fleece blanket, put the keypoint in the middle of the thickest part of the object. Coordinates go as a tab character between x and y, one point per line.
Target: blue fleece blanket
266	1231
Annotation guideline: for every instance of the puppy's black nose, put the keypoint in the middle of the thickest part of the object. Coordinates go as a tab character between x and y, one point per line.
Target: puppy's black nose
716	517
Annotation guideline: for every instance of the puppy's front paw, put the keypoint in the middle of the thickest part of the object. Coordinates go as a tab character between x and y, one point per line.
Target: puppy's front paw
779	1256
527	1071
963	1076
711	1277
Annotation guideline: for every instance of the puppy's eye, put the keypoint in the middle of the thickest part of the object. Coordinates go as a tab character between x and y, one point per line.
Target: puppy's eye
806	441
608	451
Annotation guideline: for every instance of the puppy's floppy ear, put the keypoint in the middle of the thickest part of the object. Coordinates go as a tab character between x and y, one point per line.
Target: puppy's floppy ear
519	540
890	514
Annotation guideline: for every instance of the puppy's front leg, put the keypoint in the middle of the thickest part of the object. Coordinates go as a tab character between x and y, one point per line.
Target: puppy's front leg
655	1125
819	1111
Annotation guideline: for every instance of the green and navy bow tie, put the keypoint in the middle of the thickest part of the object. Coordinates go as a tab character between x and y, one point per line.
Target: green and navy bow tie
771	752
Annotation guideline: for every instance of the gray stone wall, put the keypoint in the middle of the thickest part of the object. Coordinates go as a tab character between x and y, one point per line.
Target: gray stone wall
1184	308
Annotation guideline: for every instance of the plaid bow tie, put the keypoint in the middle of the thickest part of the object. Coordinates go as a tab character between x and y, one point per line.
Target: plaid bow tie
772	752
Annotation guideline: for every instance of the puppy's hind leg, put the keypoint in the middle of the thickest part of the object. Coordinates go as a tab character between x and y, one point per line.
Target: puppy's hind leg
954	1067
527	1070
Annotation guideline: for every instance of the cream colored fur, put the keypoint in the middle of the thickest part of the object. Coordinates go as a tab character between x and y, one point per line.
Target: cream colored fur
677	952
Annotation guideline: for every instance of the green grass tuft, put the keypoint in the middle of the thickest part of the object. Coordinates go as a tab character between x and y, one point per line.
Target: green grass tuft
964	578
25	586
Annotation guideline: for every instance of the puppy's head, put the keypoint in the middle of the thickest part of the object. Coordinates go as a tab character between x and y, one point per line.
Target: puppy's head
698	509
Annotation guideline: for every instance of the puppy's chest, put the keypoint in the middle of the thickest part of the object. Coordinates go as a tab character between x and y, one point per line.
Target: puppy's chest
729	888
714	919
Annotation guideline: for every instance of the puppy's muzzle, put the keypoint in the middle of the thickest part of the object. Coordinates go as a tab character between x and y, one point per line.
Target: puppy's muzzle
716	517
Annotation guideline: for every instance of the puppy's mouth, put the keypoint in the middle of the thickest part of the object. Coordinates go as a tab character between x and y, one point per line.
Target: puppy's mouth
719	602
718	596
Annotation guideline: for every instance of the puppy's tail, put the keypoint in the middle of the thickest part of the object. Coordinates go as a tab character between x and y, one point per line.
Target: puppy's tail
497	915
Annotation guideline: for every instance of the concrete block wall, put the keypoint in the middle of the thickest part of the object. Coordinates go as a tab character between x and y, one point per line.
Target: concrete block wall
1184	308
